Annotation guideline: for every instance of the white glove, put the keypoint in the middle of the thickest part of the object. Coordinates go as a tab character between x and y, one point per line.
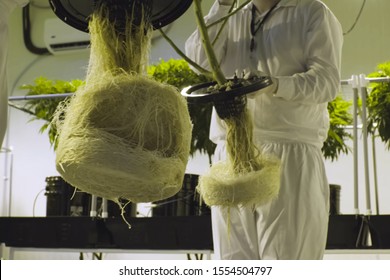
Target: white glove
271	89
226	2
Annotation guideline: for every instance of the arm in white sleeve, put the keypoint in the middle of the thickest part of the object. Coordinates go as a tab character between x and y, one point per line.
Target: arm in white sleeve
193	45
321	81
6	8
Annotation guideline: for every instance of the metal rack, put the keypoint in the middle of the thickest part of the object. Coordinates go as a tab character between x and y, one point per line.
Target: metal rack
359	84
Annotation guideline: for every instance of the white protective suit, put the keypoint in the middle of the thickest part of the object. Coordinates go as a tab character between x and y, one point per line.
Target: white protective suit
6	8
300	45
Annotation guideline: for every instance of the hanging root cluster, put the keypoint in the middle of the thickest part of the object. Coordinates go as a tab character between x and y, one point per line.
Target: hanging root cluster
123	135
247	177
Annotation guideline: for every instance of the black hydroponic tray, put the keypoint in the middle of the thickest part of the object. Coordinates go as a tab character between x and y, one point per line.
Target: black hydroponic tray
77	12
203	93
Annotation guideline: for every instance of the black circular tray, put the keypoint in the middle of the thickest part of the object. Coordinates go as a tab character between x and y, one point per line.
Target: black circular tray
202	93
76	12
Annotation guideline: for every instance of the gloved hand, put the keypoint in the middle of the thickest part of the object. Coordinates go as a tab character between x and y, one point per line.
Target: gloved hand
226	2
271	89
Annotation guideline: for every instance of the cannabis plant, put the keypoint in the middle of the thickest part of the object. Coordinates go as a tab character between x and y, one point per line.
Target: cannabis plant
44	108
378	105
340	118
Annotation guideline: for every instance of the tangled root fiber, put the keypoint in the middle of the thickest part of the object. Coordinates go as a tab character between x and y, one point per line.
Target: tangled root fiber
123	135
247	177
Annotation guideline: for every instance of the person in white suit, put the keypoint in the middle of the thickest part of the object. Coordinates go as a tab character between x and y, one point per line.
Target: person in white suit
298	43
6	8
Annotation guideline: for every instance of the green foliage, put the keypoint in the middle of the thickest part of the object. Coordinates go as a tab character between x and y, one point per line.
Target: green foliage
43	109
378	105
178	73
337	135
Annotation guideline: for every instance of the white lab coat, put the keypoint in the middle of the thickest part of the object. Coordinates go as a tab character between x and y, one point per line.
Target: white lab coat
300	44
6	8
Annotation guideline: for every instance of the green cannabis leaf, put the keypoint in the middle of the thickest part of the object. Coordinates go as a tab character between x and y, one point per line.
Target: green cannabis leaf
340	117
378	105
43	109
178	73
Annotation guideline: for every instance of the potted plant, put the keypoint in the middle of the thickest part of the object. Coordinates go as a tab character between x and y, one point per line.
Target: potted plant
335	144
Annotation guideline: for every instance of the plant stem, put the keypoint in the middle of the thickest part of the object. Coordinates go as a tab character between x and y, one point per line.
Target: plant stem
214	64
186	58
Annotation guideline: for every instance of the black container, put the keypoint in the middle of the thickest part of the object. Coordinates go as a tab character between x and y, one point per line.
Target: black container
334	199
64	200
185	203
57	197
343	231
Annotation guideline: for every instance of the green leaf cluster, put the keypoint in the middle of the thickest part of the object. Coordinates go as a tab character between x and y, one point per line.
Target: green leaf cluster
340	117
43	109
178	73
378	105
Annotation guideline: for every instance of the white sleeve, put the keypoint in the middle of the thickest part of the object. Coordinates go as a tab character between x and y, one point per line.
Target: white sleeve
193	45
6	8
321	82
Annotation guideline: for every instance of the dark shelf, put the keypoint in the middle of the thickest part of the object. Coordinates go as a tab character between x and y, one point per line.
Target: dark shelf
161	233
154	233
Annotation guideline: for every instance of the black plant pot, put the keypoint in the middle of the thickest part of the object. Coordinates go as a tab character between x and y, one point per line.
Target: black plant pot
334	199
228	100
62	200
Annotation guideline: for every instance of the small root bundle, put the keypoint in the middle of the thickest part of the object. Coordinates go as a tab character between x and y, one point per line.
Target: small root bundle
247	177
123	135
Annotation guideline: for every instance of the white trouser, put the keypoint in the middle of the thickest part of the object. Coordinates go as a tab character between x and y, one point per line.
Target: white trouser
293	226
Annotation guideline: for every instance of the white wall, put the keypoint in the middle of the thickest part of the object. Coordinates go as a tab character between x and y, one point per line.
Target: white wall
33	158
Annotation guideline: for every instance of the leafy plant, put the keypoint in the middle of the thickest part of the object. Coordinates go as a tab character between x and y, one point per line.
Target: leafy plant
178	73
378	105
43	109
340	117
